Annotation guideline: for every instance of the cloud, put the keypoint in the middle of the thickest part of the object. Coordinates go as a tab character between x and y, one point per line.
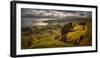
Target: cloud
53	13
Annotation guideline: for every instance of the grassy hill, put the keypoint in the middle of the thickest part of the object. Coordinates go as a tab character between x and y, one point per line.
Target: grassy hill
48	36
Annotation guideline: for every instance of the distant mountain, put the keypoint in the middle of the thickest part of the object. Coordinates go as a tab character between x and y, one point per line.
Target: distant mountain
68	19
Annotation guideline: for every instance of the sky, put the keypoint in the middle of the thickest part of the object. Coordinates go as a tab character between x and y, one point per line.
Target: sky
31	16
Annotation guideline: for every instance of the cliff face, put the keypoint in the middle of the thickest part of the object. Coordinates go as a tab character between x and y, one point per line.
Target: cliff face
77	33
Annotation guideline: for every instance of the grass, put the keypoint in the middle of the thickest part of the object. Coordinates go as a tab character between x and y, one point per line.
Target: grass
45	38
50	43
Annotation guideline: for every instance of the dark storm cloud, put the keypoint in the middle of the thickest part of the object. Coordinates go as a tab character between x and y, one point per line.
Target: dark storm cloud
53	13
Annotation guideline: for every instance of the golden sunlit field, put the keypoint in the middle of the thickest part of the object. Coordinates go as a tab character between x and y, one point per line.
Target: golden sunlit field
72	34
